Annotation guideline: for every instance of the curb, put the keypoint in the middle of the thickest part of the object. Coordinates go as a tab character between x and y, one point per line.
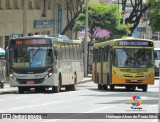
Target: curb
84	81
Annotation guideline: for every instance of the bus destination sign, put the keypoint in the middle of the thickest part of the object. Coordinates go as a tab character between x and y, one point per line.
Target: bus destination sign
134	43
30	41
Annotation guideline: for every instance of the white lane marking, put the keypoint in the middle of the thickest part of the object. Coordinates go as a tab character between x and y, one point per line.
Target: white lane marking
98	109
153	105
31	106
52	120
156	120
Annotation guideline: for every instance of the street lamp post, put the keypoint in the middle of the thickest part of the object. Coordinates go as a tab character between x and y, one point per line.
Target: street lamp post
85	41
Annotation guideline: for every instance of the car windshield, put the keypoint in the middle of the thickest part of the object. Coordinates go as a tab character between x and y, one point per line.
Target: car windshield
30	57
132	58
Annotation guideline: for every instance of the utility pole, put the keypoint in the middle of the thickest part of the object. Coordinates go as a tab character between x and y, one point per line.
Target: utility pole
85	42
24	17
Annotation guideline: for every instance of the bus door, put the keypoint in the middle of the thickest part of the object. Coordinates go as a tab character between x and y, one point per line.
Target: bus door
101	65
111	56
95	65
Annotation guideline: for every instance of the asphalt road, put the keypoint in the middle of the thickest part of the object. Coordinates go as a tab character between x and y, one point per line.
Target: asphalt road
86	99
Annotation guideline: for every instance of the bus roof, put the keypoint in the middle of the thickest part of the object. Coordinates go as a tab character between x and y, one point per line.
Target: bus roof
112	42
53	38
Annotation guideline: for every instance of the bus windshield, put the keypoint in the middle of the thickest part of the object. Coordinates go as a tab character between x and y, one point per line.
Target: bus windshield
131	58
158	54
31	57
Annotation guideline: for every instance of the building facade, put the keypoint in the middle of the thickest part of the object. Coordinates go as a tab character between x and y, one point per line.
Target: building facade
31	17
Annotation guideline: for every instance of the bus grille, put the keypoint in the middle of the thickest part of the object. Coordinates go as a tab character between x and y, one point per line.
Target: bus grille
139	76
36	81
133	81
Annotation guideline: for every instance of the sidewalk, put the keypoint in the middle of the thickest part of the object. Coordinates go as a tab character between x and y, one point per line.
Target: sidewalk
8	89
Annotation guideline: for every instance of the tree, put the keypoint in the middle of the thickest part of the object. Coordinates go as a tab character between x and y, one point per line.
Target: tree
154	15
139	8
102	17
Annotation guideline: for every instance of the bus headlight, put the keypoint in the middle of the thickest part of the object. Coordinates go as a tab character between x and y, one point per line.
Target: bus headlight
13	77
50	74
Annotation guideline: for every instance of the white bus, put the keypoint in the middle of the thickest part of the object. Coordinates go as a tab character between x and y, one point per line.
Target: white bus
42	62
157	58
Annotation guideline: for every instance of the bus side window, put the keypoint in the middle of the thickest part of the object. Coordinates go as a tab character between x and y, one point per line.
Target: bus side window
63	52
59	52
99	55
79	52
93	55
96	55
49	57
75	52
71	52
113	55
55	53
67	51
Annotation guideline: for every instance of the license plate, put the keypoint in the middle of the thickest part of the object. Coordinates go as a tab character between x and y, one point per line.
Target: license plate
30	82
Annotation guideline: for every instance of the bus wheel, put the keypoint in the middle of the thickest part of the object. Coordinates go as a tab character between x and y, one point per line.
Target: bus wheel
56	89
112	87
20	90
105	87
144	88
40	89
99	86
67	87
133	87
73	86
128	88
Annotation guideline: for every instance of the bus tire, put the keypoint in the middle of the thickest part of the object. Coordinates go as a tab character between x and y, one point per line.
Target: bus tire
55	89
128	88
144	88
99	86
112	87
40	89
105	87
73	86
67	87
21	90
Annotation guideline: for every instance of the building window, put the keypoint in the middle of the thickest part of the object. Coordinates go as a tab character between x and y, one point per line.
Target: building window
43	33
49	4
37	4
8	4
48	32
44	11
16	4
30	4
30	34
1	41
1	4
37	33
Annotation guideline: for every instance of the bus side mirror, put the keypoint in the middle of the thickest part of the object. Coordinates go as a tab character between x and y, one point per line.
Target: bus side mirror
155	55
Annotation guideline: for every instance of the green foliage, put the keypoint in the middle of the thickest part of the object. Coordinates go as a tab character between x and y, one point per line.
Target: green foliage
102	16
154	15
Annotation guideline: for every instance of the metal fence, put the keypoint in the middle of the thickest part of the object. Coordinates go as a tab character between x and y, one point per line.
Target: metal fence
3	70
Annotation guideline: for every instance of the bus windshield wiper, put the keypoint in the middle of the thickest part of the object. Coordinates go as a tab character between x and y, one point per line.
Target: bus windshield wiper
35	53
